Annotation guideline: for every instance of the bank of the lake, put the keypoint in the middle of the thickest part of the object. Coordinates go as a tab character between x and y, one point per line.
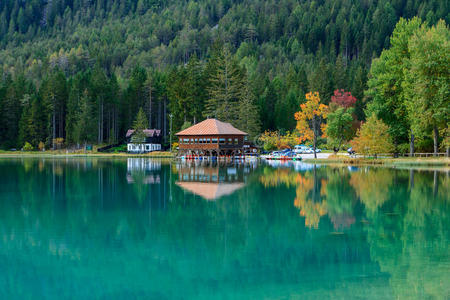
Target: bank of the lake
156	154
341	159
387	161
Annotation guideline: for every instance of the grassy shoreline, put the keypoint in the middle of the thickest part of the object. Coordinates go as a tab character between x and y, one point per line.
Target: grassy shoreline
15	154
401	161
339	159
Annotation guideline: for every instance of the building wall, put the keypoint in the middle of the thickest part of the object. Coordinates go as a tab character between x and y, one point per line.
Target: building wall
211	142
132	147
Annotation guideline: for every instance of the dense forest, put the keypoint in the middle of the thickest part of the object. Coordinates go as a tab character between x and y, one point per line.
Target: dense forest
76	71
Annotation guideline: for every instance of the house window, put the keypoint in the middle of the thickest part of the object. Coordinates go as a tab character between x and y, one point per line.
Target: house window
214	141
147	147
186	141
236	141
222	141
208	141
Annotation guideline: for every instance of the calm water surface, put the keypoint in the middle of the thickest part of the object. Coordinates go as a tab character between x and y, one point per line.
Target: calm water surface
146	229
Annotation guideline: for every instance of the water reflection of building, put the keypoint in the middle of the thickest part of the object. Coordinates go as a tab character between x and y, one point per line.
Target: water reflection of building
146	171
211	180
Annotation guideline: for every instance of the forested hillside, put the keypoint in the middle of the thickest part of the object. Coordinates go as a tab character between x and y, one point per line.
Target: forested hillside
79	70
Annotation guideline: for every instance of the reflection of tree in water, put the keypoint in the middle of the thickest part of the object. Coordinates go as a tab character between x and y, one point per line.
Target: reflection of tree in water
340	198
372	186
412	242
305	200
309	192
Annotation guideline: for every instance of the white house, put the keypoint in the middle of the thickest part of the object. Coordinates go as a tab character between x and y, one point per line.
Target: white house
152	141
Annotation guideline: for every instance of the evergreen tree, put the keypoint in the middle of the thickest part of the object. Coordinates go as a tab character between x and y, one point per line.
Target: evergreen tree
248	115
85	128
225	88
139	125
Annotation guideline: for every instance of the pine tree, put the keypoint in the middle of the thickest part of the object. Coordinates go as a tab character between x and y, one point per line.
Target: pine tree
248	115
224	90
36	122
86	123
196	88
139	125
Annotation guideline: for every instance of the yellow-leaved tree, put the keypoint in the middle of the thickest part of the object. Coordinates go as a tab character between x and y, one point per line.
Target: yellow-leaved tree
373	138
310	119
275	140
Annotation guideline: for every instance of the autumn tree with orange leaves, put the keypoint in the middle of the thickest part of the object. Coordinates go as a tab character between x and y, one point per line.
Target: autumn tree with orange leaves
310	119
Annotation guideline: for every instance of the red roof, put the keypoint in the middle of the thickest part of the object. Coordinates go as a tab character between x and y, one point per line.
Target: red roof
148	132
210	191
212	127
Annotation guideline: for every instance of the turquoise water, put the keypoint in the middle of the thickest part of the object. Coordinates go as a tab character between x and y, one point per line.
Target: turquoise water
146	229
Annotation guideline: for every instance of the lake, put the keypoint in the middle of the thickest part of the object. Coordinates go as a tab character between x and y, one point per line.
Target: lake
136	228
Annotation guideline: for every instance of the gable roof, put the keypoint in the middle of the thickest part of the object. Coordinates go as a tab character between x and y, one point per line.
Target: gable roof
148	132
212	127
210	191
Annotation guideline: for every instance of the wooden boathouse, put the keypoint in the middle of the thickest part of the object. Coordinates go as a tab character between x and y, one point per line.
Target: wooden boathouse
211	138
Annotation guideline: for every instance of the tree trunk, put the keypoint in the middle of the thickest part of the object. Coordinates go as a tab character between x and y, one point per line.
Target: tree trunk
339	146
411	145
165	119
435	139
159	115
54	129
150	112
315	136
150	107
101	125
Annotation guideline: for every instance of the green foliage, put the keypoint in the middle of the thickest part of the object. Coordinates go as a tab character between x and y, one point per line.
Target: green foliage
186	125
100	61
247	113
339	127
428	79
225	89
373	138
84	128
139	125
27	147
386	81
